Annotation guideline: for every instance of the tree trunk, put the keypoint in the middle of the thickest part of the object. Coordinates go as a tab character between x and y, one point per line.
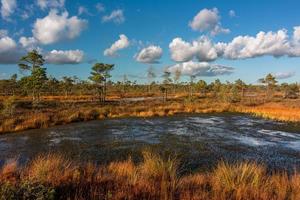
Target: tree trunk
104	93
166	95
149	88
191	91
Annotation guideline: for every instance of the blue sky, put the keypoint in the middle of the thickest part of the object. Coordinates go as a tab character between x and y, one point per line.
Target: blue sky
152	26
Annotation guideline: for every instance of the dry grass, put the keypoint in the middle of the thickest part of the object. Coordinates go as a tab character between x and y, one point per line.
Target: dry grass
27	119
274	111
55	116
51	168
153	178
236	181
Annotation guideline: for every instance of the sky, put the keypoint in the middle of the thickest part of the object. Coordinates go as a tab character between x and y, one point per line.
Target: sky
208	39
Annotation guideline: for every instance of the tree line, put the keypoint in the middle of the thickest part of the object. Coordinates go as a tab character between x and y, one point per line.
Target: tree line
35	82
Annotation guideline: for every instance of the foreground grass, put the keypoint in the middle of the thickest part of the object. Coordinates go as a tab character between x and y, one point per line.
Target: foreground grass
51	116
55	177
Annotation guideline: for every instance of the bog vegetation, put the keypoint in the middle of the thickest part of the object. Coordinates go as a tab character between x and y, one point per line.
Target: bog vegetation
34	99
154	177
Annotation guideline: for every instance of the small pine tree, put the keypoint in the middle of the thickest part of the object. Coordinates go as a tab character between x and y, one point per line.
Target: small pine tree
235	95
9	106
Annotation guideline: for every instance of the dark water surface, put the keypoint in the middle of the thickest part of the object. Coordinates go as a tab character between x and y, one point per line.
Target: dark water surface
199	141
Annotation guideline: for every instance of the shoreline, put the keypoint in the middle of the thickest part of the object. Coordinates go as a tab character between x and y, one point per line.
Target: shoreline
49	118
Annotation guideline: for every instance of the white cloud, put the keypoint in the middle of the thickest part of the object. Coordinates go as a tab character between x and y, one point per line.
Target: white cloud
181	50
296	34
270	43
100	7
208	20
9	52
200	69
232	13
284	75
122	43
116	16
203	49
7	8
7	44
149	54
28	43
64	57
44	4
55	27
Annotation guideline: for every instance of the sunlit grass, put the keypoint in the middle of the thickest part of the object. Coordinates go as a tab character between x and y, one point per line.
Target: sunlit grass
51	168
154	177
273	111
51	116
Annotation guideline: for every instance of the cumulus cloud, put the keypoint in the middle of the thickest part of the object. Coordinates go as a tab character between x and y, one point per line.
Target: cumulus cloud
270	43
7	44
296	34
55	27
284	75
7	8
28	43
44	4
208	20
200	69
203	49
149	54
122	43
9	53
64	57
181	50
116	16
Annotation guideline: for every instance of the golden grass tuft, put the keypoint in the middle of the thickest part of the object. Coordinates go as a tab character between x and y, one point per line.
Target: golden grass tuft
238	180
124	169
152	178
295	186
51	168
158	171
154	166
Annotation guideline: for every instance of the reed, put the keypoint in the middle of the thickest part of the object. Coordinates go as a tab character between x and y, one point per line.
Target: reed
55	177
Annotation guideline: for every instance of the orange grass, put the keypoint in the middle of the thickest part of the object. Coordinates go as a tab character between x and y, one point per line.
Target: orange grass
274	111
153	178
289	112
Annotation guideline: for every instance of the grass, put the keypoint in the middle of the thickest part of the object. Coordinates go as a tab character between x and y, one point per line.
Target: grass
56	177
274	111
64	113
